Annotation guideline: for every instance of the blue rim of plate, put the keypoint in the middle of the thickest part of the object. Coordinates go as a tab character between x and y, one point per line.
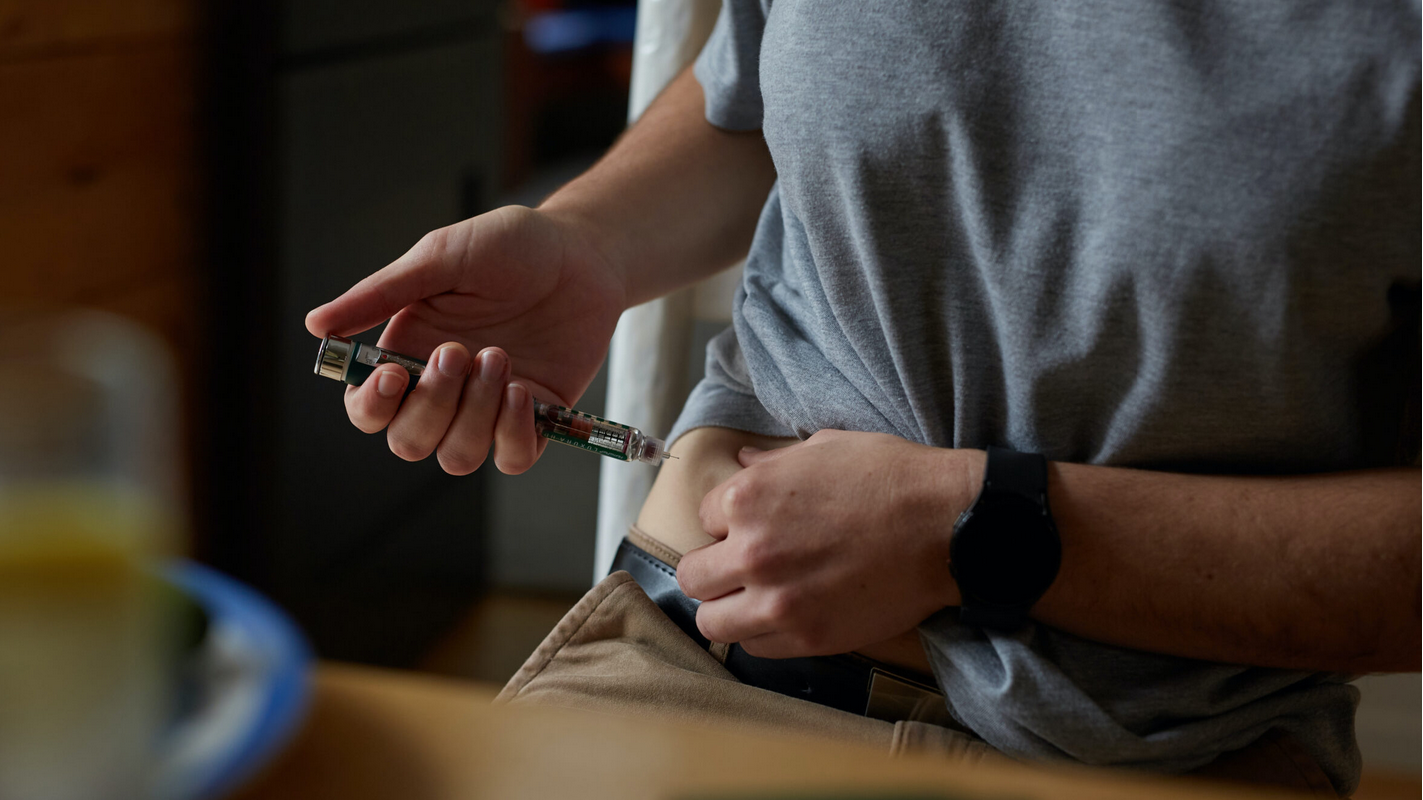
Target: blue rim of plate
284	686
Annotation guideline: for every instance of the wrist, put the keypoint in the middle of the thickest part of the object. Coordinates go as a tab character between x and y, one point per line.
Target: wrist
588	236
959	475
955	477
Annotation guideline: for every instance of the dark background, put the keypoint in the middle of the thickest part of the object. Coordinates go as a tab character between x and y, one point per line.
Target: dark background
338	134
215	170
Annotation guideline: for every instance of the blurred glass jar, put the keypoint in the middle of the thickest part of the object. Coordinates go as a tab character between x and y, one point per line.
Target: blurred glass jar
89	497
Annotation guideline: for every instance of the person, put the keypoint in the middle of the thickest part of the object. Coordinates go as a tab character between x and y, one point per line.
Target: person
1171	250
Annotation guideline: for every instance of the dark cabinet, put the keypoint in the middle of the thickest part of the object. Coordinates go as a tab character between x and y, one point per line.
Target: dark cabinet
339	134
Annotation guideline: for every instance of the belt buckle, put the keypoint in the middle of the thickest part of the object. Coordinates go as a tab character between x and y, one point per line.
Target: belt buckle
894	697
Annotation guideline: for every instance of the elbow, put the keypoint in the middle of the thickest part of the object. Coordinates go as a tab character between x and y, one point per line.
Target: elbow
1404	643
1391	622
1409	656
1394	640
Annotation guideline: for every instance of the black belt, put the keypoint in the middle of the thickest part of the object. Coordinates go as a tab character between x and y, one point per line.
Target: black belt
848	682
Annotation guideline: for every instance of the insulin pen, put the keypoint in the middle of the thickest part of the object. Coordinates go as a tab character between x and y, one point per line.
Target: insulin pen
352	362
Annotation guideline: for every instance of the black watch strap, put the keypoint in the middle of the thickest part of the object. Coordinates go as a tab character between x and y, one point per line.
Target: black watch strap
1025	475
1021	473
996	617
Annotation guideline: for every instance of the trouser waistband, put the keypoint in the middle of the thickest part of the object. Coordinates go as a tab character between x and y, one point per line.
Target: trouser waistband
847	682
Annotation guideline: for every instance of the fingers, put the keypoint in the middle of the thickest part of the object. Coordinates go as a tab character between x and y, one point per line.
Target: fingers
709	572
718	504
426	414
422	272
750	456
763	623
459	409
736	617
774	645
470	435
372	405
517	444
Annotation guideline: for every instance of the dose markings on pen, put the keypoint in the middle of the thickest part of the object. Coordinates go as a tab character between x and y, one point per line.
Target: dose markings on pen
585	430
579	443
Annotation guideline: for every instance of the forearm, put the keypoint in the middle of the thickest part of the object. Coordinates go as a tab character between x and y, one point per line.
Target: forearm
834	542
1317	572
675	200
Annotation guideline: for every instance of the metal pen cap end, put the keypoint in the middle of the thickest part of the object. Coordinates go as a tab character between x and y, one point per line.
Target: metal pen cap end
333	360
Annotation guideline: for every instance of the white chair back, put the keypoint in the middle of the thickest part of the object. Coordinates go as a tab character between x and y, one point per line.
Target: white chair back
647	361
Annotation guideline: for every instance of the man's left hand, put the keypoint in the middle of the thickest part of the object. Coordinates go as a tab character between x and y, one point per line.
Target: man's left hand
831	544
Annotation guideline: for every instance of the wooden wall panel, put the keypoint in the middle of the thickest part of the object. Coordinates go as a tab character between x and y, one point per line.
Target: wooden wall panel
29	27
97	172
164	306
98	164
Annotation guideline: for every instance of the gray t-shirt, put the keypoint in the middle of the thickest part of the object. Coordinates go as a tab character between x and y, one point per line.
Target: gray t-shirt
1129	232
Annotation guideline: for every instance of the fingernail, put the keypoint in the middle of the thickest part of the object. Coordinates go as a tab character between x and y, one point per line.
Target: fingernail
490	367
750	451
388	384
515	395
453	361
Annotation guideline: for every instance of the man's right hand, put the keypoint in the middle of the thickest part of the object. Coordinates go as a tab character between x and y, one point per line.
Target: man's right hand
533	295
508	305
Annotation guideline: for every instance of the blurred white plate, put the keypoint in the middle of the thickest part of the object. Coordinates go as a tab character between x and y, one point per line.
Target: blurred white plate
246	688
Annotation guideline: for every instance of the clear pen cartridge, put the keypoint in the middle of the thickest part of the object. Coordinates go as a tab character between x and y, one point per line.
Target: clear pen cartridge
611	439
352	362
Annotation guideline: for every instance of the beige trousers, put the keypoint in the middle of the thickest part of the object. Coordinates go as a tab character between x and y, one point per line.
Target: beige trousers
616	652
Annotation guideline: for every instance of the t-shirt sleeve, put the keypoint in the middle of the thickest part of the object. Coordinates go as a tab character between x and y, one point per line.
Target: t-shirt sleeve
729	66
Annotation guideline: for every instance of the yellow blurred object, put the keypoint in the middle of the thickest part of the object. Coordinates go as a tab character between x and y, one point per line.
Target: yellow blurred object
85	510
82	670
78	532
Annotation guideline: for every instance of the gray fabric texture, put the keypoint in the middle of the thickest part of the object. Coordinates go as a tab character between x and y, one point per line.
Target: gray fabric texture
1160	235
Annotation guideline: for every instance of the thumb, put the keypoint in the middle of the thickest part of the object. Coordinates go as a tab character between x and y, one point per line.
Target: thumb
423	272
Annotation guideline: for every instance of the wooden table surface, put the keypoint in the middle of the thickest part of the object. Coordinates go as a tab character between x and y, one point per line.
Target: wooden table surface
394	735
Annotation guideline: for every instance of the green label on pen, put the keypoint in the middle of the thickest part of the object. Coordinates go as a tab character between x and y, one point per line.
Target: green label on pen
606	451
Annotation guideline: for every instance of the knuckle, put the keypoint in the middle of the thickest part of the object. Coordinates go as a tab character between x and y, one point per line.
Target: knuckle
706	510
457	460
432	243
686	581
742	497
758	557
363	421
367	425
512	217
366	419
513	464
502	225
406	447
710	627
780	608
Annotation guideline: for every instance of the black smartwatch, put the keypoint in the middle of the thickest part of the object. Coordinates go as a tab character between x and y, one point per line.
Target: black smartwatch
1005	551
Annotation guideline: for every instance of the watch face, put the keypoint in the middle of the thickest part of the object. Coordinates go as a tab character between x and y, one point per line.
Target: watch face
1007	551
